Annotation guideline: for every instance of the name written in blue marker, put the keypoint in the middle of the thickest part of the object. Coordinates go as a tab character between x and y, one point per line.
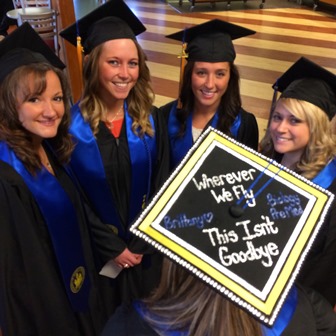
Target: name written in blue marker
182	221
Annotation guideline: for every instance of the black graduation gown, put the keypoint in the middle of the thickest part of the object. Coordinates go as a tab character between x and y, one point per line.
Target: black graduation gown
33	300
312	317
138	281
319	269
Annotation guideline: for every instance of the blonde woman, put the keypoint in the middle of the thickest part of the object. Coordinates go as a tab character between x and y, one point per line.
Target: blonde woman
121	156
301	136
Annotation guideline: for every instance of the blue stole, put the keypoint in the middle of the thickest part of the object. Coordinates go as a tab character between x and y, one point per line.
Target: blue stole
180	145
285	315
61	219
280	324
87	164
327	175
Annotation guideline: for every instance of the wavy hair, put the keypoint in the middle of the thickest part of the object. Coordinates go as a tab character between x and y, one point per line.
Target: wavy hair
229	106
321	147
185	303
17	88
139	101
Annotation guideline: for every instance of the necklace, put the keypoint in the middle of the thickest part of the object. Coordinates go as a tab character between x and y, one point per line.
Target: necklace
109	123
45	161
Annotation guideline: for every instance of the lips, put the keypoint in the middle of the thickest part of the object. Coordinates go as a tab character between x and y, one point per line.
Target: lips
282	139
50	122
208	94
121	85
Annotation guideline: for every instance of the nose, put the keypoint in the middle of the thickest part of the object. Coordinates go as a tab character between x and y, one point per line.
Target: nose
282	126
210	81
123	71
48	109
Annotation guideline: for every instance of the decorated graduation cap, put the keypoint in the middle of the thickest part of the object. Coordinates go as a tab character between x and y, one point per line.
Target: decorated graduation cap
22	47
110	21
243	225
306	80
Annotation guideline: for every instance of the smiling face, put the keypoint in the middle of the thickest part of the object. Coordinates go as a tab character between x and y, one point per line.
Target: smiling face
290	135
118	69
209	83
41	113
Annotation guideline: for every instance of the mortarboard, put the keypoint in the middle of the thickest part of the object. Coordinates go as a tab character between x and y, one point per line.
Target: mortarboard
306	80
243	225
110	21
211	41
22	47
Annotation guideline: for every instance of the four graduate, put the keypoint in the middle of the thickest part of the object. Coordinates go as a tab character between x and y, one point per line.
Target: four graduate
74	180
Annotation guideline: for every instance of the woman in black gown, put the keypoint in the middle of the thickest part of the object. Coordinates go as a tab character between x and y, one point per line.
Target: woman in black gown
300	136
121	154
48	279
210	93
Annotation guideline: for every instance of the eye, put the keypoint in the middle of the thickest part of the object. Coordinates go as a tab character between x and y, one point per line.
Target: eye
294	120
113	62
133	64
58	98
276	117
221	74
200	73
32	99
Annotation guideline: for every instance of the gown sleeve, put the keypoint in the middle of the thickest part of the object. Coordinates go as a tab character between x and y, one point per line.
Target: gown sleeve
319	269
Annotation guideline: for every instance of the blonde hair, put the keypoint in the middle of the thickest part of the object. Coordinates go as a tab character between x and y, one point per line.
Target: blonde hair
321	147
140	99
185	303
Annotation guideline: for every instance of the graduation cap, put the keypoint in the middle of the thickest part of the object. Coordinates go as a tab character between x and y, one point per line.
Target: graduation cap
243	225
211	41
110	21
306	80
22	47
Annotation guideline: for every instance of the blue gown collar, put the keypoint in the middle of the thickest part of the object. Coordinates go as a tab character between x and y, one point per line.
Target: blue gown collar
327	175
180	145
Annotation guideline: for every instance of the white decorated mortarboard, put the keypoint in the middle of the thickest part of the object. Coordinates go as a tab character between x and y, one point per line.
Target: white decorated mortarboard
237	220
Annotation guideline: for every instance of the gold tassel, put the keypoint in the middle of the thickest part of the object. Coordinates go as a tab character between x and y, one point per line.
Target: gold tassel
183	57
80	52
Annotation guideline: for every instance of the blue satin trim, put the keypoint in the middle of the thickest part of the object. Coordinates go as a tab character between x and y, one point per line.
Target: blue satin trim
179	146
327	175
143	155
87	164
60	217
285	315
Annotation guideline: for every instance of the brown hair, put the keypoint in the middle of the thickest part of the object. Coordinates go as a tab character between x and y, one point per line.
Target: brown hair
16	86
183	302
140	99
229	106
